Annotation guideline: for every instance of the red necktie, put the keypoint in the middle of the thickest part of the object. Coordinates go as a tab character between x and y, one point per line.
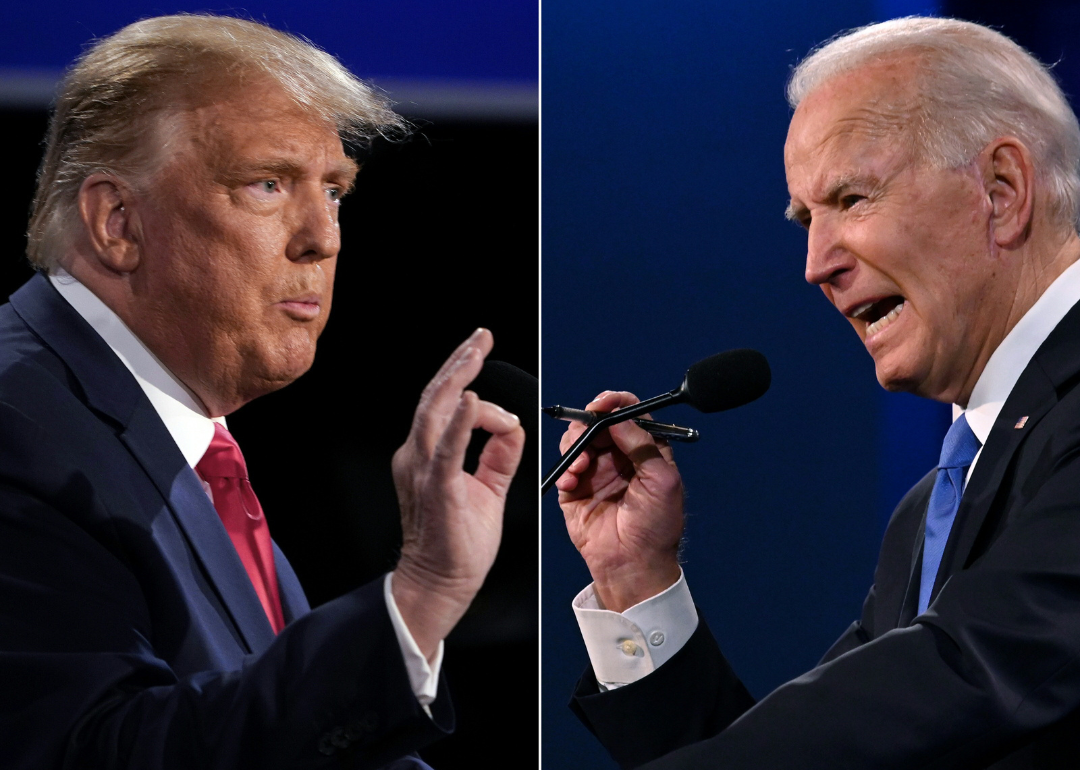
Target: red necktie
224	470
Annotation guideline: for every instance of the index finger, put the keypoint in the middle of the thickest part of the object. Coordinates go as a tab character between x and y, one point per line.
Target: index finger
441	396
636	443
608	401
481	338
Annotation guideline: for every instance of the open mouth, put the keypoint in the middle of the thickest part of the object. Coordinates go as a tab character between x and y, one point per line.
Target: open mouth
879	314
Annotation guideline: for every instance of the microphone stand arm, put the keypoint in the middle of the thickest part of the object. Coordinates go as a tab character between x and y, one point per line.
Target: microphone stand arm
611	418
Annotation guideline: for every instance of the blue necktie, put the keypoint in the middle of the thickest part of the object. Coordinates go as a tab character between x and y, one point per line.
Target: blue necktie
957	452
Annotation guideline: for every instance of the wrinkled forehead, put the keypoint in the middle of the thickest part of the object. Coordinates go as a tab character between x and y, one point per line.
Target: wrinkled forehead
857	125
871	105
260	118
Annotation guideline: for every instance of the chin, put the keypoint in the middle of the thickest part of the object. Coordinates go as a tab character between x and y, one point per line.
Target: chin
897	379
279	368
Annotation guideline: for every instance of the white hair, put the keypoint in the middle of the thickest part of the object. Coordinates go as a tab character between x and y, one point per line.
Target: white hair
972	86
110	97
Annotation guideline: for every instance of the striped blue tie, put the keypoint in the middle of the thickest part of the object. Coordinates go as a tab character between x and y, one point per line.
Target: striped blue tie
957	452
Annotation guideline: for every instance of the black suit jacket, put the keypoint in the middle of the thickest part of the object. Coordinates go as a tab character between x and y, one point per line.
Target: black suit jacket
130	635
989	676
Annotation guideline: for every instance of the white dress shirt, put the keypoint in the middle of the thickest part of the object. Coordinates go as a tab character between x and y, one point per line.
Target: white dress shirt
616	642
192	431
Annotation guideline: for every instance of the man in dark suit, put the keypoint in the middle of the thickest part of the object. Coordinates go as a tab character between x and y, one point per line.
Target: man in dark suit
934	165
185	229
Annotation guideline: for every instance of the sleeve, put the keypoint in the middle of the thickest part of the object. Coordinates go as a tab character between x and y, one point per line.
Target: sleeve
423	676
86	682
693	695
992	664
624	647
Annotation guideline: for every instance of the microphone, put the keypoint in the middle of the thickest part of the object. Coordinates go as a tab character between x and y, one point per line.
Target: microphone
714	384
514	389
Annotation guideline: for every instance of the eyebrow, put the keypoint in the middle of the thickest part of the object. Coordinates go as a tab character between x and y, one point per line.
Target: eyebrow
796	212
346	170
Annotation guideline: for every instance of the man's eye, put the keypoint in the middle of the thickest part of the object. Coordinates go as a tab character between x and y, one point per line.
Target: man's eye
850	200
335	194
266	187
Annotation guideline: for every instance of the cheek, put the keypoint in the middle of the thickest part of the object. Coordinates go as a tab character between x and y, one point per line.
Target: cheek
329	269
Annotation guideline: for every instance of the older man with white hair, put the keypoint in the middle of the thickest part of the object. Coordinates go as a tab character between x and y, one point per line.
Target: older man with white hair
186	232
934	165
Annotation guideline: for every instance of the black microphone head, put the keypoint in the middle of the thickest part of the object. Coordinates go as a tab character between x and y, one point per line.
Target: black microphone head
514	389
726	380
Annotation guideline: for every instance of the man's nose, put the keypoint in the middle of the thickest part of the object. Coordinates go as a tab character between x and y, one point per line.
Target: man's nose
316	235
827	257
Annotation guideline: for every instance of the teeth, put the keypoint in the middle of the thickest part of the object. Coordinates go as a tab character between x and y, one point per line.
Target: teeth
885	320
861	309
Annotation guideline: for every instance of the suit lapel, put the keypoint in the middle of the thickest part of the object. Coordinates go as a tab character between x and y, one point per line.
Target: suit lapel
909	606
146	437
1033	396
111	390
293	601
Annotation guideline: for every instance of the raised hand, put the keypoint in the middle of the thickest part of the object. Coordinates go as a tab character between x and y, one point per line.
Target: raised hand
623	503
451	520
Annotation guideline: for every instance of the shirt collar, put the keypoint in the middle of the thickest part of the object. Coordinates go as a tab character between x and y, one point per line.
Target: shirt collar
1016	351
177	407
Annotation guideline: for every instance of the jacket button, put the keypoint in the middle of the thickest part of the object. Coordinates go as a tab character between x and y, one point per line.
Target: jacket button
337	737
325	746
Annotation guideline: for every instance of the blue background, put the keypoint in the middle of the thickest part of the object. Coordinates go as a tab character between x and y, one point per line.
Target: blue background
664	241
419	39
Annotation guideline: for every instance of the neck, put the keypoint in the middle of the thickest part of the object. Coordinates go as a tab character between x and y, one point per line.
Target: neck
115	292
1038	266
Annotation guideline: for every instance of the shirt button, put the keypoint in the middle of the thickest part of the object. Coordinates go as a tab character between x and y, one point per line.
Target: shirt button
629	647
656	639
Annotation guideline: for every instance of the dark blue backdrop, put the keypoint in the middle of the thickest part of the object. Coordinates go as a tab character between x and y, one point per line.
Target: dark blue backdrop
416	39
663	242
663	188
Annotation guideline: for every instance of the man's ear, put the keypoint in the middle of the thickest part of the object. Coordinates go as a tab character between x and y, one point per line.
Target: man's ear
1009	176
110	223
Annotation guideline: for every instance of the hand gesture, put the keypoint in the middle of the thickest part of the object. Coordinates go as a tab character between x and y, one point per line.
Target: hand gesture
451	520
623	503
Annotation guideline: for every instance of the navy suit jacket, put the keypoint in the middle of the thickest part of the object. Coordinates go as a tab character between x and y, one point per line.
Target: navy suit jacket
988	677
130	634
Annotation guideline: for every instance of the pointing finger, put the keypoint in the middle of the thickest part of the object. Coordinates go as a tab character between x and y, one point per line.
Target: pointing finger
481	338
441	396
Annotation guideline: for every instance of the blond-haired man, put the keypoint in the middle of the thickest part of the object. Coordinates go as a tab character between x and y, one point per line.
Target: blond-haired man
186	232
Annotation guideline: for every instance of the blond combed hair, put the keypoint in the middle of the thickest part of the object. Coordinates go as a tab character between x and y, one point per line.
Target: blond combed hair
972	85
108	100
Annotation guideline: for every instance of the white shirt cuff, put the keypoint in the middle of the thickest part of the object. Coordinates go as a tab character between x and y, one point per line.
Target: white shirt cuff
423	677
624	647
